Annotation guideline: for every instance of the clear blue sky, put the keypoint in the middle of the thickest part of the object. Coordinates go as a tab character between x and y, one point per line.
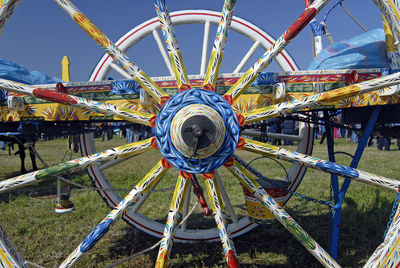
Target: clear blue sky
39	34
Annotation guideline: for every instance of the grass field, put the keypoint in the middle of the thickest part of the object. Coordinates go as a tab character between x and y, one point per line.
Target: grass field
46	238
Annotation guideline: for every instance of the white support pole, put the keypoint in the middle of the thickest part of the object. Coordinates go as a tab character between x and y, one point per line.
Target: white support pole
121	71
227	201
247	57
162	51
205	47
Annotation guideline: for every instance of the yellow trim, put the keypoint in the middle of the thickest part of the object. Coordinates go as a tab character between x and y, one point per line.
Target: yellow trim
390	253
394	8
4	257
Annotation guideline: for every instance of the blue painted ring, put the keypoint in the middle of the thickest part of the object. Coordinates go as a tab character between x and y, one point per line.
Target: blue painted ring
162	131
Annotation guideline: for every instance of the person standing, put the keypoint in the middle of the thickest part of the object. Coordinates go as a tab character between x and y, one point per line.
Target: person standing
288	128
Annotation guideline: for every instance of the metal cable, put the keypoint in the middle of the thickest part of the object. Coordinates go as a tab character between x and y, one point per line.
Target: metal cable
153	246
33	264
348	12
85	186
110	189
261	176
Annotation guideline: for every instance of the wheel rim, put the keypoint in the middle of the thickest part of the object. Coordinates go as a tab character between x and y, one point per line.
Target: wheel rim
244	224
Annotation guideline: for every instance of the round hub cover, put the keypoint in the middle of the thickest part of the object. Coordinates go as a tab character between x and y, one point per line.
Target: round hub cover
197	131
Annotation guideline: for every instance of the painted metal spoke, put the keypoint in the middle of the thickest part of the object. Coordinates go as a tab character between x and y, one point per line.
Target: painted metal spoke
282	216
391	14
223	231
174	216
59	97
7	8
121	71
9	256
114	162
214	64
387	253
149	180
247	57
280	44
205	47
319	164
321	99
171	42
76	165
225	196
120	58
186	207
200	196
162	51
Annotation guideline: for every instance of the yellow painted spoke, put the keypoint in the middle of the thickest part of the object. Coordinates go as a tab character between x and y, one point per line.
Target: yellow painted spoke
76	165
120	58
220	219
319	164
321	100
174	216
95	106
144	186
175	55
214	64
247	79
282	216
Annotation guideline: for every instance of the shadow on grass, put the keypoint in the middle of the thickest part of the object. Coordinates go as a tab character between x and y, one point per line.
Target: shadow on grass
43	190
272	245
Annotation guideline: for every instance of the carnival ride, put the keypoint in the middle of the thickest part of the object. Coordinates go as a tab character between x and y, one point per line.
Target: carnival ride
197	122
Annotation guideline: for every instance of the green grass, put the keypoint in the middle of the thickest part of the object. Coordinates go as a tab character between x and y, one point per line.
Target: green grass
46	238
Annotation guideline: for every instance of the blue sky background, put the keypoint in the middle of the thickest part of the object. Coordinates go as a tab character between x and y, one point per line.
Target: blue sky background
39	34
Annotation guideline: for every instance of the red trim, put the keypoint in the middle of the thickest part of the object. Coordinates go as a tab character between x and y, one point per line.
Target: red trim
185	14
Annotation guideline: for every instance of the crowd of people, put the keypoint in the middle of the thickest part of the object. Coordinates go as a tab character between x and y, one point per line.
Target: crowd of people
130	131
349	132
275	125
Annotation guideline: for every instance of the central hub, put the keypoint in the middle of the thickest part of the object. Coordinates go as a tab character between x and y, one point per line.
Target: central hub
197	131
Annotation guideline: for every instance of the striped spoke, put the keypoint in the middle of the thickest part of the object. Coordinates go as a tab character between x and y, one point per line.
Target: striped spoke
174	216
120	58
214	64
282	216
171	42
223	231
225	196
200	196
76	165
319	164
386	254
279	45
7	8
322	99
95	106
149	180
